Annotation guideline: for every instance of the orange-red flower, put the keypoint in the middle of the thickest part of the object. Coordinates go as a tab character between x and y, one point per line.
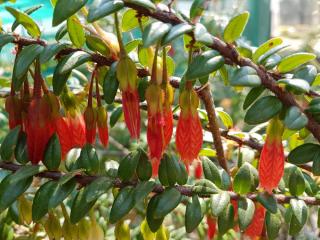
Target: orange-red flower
256	226
271	163
211	222
102	119
189	130
90	118
13	106
198	170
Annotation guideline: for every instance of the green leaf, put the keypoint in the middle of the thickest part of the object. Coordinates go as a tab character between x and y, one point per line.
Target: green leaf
73	60
193	215
182	174
272	52
225	118
61	192
243	179
26	21
65	9
295	119
252	96
5	39
204	187
115	116
211	171
297	86
10	192
128	166
197	8
245	76
123	203
273	225
52	155
300	210
219	203
153	223
143	3
168	200
132	45
89	160
304	153
96	188
23	62
76	32
294	61
9	144
265	47
100	9
96	44
204	64
268	202
51	50
62	31
110	84
207	152
29	11
175	32
246	210
80	207
169	170
26	171
202	35
226	220
142	190
296	182
40	204
144	169
130	20
308	73
267	107
235	27
154	32
21	149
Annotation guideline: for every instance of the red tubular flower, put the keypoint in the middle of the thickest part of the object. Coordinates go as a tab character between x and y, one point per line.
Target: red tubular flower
256	226
189	130
271	163
211	222
131	110
90	119
13	107
102	119
198	170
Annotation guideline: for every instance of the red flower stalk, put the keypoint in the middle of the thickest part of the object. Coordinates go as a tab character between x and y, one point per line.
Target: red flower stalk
189	130
198	170
271	165
102	119
256	226
211	222
40	125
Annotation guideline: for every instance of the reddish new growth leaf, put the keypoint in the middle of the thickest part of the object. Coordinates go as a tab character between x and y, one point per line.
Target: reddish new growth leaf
255	228
189	130
211	222
272	158
131	110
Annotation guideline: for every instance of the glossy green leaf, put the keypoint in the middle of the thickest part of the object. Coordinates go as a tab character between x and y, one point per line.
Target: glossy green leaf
235	27
65	9
246	211
211	171
272	52
245	76
265	47
9	144
100	9
96	188
130	20
80	207
308	73
296	182
193	215
28	11
51	50
168	200
52	155
132	45
226	220
294	61
25	172
61	192
144	169
40	204
273	225
197	8
204	64
128	165
299	215
23	62
110	84
115	116
5	39
252	96
176	31
142	190
76	32
123	203
153	223
243	179
205	187
21	149
62	31
202	35
267	107
304	153
89	160
96	44
295	119
219	203
144	3
268	202
26	21
297	86
225	119
182	174
169	170
154	32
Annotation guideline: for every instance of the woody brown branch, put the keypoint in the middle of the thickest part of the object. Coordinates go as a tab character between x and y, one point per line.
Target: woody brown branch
184	190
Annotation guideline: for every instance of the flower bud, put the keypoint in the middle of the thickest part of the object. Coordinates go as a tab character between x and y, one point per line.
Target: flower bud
25	210
122	231
102	119
90	119
53	227
127	74
131	110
